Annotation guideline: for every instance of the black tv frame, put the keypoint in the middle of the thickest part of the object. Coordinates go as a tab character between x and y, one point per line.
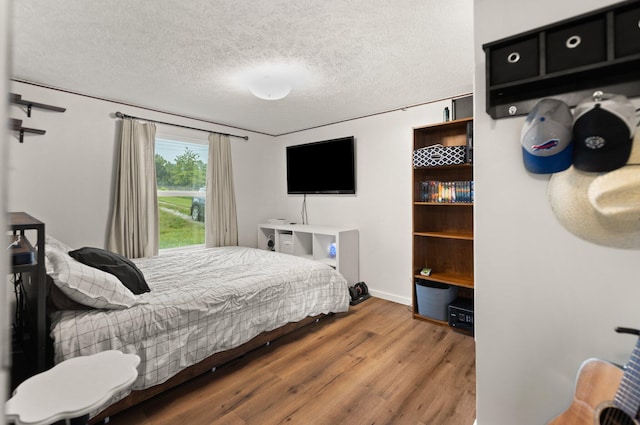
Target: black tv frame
315	161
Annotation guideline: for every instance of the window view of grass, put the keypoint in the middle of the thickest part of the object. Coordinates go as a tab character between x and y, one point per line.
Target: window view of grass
179	204
176	226
181	168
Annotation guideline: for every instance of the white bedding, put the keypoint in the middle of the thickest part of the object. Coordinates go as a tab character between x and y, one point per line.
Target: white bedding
202	301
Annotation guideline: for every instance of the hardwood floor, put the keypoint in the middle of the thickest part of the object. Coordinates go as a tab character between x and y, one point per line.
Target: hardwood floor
372	365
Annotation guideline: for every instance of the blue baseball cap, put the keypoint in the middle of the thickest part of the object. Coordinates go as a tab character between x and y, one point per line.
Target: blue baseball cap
546	137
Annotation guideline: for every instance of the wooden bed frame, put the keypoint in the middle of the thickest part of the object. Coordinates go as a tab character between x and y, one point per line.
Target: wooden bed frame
206	365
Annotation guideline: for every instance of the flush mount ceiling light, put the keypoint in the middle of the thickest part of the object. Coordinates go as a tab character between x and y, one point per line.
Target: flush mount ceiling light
270	86
273	81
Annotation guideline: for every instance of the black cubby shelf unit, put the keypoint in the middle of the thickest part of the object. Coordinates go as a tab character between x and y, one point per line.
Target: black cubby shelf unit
567	60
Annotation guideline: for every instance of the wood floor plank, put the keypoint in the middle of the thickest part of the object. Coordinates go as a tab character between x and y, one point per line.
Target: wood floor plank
372	365
429	402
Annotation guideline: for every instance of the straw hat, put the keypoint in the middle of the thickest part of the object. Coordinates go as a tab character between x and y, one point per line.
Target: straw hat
603	208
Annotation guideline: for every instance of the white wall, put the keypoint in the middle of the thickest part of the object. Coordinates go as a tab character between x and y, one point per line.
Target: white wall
545	299
381	207
64	177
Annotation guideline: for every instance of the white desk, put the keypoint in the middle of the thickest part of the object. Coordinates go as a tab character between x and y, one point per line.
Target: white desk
72	388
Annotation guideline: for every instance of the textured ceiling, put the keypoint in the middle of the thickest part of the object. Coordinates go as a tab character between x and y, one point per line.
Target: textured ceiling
185	56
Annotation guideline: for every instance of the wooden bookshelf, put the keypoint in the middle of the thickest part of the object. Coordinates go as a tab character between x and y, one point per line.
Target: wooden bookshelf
442	231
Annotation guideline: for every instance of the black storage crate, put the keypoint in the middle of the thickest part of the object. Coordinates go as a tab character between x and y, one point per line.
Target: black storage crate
515	61
576	45
627	31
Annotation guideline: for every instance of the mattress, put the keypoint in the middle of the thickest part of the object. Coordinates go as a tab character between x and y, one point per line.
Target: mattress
202	301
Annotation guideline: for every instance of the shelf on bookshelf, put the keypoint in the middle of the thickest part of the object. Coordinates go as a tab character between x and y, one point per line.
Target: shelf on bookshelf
445	167
456	279
446	235
328	261
429	319
464	204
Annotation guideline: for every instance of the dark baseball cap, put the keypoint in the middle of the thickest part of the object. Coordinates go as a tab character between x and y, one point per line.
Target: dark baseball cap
603	129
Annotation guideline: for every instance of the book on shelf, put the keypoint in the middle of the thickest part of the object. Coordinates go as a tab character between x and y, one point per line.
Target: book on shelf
469	146
446	192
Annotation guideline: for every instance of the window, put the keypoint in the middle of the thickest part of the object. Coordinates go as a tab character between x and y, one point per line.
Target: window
181	169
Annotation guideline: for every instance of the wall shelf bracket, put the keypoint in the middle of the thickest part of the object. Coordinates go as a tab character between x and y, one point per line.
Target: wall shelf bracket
16	125
18	100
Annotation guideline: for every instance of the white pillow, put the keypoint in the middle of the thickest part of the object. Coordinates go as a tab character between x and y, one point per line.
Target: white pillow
87	285
51	242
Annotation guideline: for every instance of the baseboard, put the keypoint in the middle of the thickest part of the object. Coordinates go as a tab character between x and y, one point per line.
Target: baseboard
390	297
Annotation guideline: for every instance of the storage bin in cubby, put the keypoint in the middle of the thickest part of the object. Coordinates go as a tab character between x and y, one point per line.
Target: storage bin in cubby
433	299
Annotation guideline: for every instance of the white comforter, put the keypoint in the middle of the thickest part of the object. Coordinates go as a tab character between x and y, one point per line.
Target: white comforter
202	301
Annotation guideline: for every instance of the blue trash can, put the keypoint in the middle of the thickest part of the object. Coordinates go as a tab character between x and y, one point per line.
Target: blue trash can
433	299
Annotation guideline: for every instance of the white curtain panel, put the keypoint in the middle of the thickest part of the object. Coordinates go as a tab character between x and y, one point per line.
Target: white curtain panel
134	221
220	218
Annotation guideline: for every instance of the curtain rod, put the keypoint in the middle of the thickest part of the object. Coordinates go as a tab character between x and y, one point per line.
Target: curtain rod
121	115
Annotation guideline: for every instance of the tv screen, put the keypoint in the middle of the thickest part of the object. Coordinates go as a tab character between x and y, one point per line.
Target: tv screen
322	167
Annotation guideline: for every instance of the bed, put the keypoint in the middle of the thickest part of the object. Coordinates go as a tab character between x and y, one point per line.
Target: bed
203	307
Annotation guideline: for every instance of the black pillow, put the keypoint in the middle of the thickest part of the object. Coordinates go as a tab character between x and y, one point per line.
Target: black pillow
115	264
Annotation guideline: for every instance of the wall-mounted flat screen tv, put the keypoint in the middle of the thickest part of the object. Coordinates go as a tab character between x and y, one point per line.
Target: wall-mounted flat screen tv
327	167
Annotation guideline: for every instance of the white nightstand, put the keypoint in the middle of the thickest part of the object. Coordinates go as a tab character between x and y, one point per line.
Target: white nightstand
72	388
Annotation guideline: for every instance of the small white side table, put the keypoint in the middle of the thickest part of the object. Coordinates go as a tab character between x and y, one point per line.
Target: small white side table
72	388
